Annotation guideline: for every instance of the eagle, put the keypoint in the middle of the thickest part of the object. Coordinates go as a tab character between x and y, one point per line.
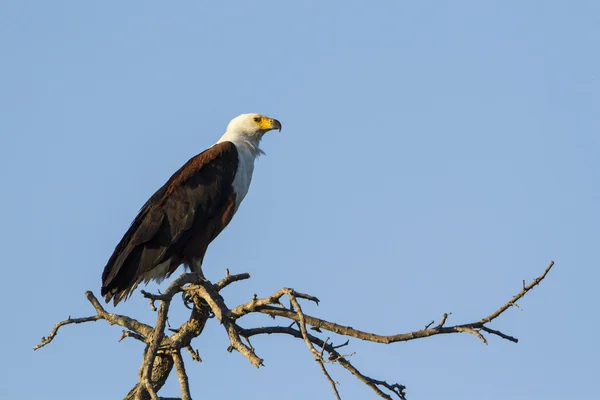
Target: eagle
179	221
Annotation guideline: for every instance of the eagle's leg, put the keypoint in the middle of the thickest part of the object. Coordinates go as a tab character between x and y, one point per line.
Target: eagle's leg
195	267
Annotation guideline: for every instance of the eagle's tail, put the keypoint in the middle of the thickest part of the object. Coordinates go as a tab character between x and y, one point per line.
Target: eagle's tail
119	278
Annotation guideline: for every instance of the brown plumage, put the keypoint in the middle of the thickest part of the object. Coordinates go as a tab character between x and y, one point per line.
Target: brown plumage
176	224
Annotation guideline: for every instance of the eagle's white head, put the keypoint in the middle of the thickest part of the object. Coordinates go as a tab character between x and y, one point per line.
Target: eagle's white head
248	129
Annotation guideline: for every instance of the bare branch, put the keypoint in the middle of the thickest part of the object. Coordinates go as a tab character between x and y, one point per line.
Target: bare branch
163	352
334	356
498	333
46	340
443	321
150	390
194	353
116	319
473	327
302	324
113	319
182	375
518	296
155	297
152	299
374	384
331	381
229	279
132	335
145	373
274	299
342	345
472	331
318	356
223	314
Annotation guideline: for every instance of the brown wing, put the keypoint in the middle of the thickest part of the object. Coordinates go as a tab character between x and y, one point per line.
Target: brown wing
169	228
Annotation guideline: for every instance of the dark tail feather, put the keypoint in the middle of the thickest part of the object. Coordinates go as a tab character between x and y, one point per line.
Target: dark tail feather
121	285
117	295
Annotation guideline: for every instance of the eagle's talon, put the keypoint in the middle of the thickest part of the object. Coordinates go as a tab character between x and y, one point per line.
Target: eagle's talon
187	300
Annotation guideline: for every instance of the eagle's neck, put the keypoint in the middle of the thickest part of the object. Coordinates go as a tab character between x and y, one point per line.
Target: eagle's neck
244	142
248	151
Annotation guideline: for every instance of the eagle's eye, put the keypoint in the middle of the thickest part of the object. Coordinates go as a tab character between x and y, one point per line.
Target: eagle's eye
256	119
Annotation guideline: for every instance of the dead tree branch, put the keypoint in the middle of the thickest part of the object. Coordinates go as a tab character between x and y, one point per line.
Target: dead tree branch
182	376
163	351
263	306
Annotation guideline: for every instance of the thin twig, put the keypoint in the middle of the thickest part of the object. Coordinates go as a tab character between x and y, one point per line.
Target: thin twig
274	299
443	321
331	381
229	279
193	353
472	331
498	333
132	335
45	340
318	356
518	296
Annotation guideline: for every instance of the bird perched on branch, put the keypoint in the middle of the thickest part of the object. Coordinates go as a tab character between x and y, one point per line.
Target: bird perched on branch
187	213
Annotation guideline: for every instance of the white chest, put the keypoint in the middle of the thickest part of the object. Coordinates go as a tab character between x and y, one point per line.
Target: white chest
243	175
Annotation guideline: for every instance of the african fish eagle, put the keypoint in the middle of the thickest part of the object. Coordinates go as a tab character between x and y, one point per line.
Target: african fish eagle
187	213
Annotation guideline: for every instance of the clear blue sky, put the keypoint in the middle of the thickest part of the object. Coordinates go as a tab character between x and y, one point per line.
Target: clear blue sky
434	155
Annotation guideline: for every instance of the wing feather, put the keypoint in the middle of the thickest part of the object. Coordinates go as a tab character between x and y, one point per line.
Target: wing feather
165	224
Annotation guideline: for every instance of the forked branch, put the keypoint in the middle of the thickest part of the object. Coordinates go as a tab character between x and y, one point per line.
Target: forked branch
164	351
